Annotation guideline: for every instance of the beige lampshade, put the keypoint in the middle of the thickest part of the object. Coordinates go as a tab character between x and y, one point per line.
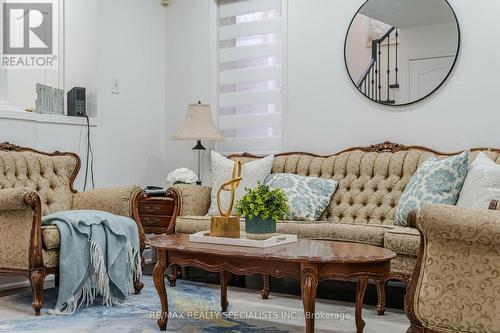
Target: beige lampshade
198	125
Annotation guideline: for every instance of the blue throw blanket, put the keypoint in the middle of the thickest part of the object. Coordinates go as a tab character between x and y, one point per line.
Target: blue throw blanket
99	256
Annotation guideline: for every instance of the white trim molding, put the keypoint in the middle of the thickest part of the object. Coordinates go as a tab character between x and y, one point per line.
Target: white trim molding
15	113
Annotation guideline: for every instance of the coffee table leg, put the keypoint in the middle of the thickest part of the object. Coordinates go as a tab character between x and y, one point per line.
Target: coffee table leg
360	296
381	297
265	288
159	282
309	284
224	278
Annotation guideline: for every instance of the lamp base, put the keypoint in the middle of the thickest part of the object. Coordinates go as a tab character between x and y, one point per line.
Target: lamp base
199	149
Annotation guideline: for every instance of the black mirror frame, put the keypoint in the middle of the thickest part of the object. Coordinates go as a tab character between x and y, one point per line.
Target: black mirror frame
429	94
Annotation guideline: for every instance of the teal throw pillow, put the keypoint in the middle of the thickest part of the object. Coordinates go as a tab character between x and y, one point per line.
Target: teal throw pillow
434	182
307	197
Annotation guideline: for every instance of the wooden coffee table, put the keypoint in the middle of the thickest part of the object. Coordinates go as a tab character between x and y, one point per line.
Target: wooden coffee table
310	261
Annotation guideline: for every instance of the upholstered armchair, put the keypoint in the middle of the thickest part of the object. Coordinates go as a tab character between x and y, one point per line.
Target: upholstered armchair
34	184
455	286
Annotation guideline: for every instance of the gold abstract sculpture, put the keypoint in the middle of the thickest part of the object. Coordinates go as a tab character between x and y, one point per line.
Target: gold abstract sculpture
226	225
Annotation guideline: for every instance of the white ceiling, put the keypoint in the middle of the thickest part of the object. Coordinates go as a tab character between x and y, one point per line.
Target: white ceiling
409	13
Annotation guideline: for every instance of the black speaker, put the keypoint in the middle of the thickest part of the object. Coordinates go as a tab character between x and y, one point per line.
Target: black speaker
77	105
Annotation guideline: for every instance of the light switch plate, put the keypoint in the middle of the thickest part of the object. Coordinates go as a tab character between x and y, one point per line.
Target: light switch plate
115	89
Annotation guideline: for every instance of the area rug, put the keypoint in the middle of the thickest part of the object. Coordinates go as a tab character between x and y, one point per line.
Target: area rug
195	307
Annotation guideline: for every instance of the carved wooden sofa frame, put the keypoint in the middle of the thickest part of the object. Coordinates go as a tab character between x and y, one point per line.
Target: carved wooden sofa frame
37	271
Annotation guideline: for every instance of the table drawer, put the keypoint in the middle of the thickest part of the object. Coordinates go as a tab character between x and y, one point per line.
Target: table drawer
155	220
156	208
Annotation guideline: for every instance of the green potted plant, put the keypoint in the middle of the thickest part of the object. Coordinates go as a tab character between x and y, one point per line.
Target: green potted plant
262	207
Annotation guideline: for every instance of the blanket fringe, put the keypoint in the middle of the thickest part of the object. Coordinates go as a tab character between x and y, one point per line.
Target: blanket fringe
98	282
135	267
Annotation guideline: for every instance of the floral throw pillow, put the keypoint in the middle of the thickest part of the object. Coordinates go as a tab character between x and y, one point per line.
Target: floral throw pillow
434	182
307	197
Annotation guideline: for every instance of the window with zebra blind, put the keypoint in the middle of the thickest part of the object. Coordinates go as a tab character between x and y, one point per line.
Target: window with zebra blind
250	53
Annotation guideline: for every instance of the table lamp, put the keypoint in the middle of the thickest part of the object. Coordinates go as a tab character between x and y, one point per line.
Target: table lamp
198	125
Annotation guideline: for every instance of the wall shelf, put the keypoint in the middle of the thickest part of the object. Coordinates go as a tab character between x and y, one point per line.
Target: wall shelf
16	113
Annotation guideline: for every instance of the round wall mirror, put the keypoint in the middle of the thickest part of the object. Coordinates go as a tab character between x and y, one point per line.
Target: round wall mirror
398	52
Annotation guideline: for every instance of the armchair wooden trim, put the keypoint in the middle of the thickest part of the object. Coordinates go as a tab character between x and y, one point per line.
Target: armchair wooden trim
176	194
134	209
411	290
37	270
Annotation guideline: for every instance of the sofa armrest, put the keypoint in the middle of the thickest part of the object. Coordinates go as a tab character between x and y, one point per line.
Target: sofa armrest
13	198
194	200
466	225
457	266
20	229
116	200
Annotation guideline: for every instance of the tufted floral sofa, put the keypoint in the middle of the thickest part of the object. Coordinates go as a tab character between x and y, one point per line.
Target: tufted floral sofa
34	184
371	180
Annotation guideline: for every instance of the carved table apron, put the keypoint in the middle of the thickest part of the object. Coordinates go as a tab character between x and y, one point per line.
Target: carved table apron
310	272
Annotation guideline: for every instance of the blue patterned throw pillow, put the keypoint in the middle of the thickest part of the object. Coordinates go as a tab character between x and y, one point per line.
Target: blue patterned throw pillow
307	197
434	182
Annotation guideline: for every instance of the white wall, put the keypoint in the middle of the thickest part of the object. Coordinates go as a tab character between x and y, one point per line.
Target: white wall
3	90
189	71
130	139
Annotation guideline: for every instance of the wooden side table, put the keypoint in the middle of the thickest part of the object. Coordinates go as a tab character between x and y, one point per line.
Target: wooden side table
157	214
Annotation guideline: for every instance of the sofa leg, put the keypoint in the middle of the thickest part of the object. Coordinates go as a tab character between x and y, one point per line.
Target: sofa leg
138	285
265	289
37	278
381	296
